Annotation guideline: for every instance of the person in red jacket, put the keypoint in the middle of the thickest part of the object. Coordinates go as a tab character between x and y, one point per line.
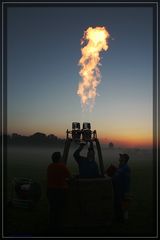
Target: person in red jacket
57	186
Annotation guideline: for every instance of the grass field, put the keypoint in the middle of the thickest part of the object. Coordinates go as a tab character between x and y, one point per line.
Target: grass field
32	163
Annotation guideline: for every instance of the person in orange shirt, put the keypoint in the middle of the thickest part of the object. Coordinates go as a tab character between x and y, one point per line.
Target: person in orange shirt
57	186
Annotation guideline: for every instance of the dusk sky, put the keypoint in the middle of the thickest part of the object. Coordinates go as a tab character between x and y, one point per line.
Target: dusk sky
43	51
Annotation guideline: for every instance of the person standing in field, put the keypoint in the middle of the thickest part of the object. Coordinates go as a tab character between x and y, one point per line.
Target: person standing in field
57	188
121	178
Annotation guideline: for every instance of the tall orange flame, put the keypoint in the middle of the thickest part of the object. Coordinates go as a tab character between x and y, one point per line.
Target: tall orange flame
97	40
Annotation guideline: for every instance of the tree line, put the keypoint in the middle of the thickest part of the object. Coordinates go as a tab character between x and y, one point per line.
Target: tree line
37	138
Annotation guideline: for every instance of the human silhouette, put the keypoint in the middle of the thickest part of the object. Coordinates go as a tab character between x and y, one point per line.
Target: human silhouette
88	167
57	186
121	178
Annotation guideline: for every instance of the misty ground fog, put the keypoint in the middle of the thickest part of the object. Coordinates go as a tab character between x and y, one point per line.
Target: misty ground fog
32	162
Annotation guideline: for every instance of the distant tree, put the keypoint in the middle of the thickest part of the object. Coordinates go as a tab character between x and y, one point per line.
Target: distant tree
15	135
38	135
16	138
111	145
52	137
38	138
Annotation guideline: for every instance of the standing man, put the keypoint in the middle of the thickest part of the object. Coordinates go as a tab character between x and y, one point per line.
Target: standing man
121	185
88	167
57	186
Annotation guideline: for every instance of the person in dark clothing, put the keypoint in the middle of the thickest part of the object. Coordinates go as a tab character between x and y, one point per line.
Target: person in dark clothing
88	167
57	187
121	185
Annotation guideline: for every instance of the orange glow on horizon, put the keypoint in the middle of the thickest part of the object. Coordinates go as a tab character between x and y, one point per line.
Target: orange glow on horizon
132	141
129	138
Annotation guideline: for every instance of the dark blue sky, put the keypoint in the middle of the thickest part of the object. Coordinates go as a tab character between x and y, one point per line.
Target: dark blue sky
43	45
